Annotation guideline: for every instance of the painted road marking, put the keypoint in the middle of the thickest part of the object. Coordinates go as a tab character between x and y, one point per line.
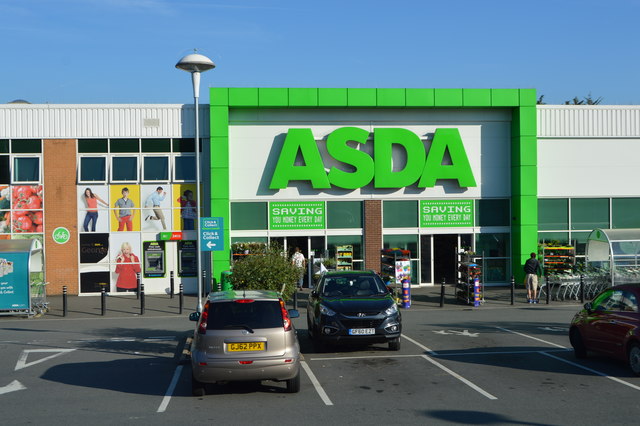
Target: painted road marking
420	345
12	387
22	360
170	389
457	333
531	337
565	329
340	358
459	377
615	379
316	384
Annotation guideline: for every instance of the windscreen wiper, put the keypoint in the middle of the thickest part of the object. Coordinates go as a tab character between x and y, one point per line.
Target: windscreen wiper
241	326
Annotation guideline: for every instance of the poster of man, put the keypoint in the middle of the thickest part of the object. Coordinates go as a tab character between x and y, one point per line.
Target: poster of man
156	208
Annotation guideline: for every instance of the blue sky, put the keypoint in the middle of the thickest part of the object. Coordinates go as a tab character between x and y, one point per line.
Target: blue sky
124	51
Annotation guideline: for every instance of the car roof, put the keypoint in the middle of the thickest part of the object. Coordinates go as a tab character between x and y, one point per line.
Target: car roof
349	272
231	295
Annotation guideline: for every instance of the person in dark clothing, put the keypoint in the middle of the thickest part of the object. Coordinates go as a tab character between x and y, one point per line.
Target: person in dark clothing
532	269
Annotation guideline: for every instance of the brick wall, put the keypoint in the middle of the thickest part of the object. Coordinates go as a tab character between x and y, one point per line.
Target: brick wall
372	234
60	206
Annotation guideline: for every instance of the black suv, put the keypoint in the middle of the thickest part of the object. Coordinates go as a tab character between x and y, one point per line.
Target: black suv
353	306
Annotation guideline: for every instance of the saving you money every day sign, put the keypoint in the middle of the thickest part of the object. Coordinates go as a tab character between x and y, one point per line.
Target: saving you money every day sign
297	215
446	213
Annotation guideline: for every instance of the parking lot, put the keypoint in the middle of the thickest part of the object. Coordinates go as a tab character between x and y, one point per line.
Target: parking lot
489	365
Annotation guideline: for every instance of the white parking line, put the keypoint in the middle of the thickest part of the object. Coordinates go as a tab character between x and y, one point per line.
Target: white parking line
420	345
531	337
615	379
459	377
316	384
340	358
170	389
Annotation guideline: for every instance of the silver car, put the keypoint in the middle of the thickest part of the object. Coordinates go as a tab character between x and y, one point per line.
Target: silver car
244	336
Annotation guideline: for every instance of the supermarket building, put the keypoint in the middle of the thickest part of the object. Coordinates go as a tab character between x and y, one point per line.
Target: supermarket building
433	171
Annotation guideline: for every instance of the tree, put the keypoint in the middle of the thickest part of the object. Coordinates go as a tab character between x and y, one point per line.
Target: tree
587	100
540	100
267	271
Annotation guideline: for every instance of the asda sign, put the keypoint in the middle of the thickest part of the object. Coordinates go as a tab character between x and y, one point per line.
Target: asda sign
423	168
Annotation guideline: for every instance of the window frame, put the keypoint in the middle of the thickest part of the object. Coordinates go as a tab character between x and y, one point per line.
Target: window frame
14	169
106	169
112	168
143	166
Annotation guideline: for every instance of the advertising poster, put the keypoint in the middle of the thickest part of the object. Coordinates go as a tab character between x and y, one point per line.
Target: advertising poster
184	203
154	260
94	248
125	207
156	208
26	202
93	208
5	213
124	254
296	215
94	277
14	281
446	213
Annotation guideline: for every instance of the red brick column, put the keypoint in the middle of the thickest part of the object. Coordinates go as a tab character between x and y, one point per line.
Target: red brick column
372	234
60	209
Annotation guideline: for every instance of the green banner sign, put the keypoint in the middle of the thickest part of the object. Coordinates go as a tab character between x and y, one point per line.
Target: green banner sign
296	215
446	213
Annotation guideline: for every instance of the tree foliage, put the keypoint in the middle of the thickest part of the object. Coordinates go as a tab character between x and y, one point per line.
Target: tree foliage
268	271
587	100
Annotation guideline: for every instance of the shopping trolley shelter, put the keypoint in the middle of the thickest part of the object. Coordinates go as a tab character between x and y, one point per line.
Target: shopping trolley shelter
492	364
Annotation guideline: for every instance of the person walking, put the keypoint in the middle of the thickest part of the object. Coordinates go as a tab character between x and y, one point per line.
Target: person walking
532	269
299	262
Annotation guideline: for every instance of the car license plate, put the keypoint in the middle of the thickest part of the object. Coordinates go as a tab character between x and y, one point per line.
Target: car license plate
245	346
362	331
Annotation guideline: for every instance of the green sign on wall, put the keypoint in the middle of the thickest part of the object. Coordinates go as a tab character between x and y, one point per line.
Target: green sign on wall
296	215
446	213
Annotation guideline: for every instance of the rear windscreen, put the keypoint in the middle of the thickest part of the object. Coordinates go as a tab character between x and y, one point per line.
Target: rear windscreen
257	314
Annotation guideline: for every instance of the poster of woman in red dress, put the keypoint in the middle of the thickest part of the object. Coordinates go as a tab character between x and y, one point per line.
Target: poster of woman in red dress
127	266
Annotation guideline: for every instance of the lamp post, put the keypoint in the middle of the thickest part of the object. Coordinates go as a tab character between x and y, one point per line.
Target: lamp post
196	63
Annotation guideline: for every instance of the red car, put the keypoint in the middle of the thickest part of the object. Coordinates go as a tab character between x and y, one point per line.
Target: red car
610	325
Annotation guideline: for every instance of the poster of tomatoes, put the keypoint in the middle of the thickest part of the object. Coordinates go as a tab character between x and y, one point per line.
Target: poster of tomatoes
5	205
26	202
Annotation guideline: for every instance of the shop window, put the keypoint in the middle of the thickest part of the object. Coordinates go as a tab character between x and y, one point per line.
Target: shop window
4	146
624	212
124	145
155	168
5	176
248	216
400	214
156	145
26	146
425	258
26	169
184	168
342	240
554	238
493	213
553	213
405	242
589	213
579	241
93	146
93	169
124	169
344	214
493	244
184	145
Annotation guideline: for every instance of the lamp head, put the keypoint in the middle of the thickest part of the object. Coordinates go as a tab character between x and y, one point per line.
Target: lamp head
195	62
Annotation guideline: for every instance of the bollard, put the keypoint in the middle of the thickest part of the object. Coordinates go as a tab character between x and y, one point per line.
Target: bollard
295	298
181	298
171	285
103	301
546	282
204	283
64	300
513	289
138	284
582	289
442	294
142	299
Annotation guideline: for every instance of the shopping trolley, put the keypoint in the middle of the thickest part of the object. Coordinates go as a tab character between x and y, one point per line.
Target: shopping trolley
39	304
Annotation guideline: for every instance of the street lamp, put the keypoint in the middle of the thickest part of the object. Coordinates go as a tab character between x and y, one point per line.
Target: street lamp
196	63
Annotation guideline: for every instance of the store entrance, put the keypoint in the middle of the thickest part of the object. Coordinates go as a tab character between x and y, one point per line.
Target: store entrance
445	262
308	245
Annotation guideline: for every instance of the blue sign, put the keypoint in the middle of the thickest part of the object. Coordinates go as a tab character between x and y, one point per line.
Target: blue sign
14	281
211	234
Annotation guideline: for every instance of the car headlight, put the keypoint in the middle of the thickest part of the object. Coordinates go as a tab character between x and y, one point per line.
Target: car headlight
391	310
326	311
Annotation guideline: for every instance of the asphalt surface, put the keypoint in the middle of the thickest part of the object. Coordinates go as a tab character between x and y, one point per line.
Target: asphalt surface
494	364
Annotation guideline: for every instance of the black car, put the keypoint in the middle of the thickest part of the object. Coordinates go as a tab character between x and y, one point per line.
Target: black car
353	306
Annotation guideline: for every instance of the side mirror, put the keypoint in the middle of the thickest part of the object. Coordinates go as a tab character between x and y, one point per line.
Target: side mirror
293	313
588	306
194	316
314	293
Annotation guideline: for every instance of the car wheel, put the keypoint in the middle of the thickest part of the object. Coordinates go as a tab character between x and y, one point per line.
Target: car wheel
293	385
579	350
394	344
634	358
197	387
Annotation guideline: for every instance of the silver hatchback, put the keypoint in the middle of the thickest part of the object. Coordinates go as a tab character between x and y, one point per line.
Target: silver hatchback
244	336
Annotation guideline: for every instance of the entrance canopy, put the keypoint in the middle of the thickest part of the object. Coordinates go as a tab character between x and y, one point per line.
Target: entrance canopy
616	251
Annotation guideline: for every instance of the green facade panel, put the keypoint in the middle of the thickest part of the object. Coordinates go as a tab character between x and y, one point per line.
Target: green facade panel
448	97
476	98
219	121
273	97
299	97
243	97
392	98
332	97
219	96
528	97
505	97
420	97
361	97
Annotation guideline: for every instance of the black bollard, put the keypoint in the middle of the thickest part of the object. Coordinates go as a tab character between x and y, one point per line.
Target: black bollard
103	301
442	294
582	289
171	285
513	289
295	298
204	283
138	284
142	299
546	281
181	298
64	300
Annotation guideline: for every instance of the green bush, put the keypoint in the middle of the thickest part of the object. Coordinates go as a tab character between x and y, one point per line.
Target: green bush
269	271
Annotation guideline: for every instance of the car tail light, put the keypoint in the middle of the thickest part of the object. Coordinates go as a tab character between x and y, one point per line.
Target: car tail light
245	301
202	327
285	316
245	362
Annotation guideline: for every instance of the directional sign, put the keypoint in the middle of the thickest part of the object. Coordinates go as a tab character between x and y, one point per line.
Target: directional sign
211	234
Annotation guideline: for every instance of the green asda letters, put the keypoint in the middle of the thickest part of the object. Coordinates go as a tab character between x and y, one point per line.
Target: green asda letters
421	167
